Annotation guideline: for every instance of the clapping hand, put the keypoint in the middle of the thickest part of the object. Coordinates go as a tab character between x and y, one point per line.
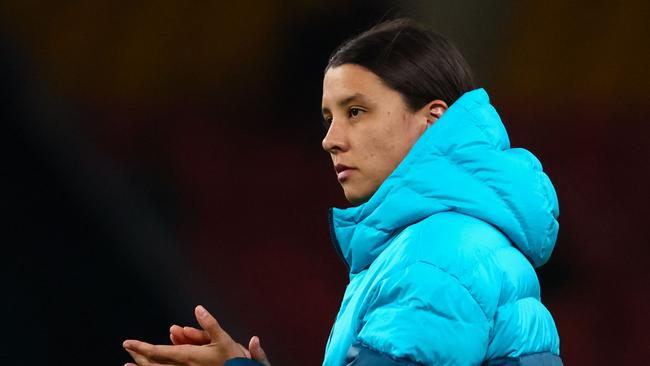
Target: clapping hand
211	346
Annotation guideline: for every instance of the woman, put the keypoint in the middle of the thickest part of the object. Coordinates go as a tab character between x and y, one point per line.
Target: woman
448	226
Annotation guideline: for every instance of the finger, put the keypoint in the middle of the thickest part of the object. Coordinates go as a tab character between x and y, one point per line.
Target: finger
159	353
138	358
196	336
209	323
177	336
142	361
188	335
257	353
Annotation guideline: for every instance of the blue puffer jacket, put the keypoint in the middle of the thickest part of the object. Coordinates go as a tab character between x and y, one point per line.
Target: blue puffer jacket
442	256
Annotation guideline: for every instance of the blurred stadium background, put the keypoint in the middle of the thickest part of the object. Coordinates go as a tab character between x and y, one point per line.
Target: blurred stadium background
162	154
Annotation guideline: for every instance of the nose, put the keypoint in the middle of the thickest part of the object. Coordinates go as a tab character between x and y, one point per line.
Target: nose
335	140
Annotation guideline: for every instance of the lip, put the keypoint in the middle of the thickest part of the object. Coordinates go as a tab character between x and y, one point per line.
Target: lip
343	172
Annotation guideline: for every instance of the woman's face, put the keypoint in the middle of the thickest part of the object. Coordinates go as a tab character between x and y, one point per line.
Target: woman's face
371	128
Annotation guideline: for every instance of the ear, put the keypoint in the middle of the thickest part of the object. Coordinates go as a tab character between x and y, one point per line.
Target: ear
434	110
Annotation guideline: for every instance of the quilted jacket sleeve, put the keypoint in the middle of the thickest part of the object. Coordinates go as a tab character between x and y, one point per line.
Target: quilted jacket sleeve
424	315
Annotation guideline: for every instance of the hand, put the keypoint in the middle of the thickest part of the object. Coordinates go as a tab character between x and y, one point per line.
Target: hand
220	348
190	335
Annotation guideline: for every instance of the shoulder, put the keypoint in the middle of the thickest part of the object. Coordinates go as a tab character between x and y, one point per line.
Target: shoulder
448	239
459	233
450	270
447	256
478	255
454	242
422	302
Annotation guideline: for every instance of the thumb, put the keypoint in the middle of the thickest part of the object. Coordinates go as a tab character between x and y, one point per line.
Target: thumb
257	353
208	323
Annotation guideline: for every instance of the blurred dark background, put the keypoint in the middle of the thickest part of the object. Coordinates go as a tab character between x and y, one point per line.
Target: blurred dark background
161	154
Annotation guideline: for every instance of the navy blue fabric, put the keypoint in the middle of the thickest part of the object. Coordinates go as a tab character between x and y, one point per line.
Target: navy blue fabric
240	361
537	359
361	355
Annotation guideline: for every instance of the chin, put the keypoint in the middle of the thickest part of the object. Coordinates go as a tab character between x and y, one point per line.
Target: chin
355	198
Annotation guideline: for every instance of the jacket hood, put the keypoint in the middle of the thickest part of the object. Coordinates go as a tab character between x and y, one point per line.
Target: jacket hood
462	163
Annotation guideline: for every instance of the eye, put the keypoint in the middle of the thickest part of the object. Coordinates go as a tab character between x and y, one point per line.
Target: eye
355	112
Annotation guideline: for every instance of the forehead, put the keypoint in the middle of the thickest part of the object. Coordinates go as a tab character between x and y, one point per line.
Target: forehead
346	80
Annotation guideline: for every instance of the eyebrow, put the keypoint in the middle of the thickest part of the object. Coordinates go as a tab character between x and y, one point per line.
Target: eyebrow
345	101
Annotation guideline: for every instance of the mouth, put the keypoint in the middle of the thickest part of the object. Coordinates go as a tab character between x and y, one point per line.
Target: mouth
343	172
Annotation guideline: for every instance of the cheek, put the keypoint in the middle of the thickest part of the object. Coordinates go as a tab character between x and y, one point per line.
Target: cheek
381	156
382	147
391	141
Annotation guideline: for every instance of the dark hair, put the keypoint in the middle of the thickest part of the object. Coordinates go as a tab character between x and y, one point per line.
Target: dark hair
420	64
